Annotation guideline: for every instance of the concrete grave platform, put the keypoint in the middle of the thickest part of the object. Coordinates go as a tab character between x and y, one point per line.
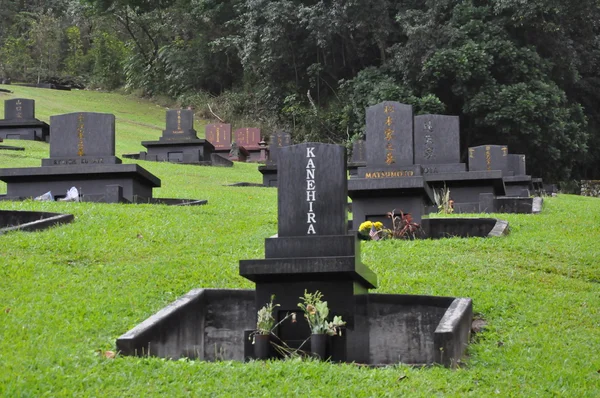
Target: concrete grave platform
17	220
209	324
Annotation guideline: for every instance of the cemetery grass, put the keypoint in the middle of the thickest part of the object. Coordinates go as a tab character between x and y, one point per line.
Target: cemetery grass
67	293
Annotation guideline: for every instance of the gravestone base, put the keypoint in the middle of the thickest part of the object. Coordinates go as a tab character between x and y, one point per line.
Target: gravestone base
33	130
353	168
10	148
224	153
269	173
517	186
466	189
18	220
254	155
241	156
444	168
215	324
96	183
373	198
185	151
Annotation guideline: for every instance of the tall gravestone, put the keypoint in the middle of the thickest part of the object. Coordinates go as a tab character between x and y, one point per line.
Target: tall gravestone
269	170
313	250
390	180
82	155
179	143
19	121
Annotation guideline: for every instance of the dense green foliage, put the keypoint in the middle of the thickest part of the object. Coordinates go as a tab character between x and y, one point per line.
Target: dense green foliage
67	293
522	73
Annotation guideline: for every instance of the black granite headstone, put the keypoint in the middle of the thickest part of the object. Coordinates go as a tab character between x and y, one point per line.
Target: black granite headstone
219	135
180	125
488	157
19	109
82	138
359	152
437	139
390	135
313	194
516	164
277	141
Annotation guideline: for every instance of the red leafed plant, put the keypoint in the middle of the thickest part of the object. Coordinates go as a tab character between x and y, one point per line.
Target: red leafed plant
403	225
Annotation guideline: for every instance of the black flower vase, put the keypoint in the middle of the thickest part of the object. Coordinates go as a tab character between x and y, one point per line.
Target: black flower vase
262	346
318	345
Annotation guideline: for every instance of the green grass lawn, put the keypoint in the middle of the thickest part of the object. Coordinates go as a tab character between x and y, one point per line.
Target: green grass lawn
67	293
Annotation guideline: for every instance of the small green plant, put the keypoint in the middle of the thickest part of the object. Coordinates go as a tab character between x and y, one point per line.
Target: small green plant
443	201
266	320
316	312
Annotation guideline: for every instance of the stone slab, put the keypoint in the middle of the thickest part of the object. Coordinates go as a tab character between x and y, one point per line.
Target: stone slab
312	190
389	128
437	139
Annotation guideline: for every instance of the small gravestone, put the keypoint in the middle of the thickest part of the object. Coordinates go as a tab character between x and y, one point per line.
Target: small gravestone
269	170
517	182
277	141
180	125
248	137
19	121
179	143
516	164
437	143
219	135
19	109
358	157
489	157
82	155
82	138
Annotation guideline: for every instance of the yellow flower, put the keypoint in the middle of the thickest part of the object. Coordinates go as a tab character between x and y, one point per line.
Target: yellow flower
365	227
378	225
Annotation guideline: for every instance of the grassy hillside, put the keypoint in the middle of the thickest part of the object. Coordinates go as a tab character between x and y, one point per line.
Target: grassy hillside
67	293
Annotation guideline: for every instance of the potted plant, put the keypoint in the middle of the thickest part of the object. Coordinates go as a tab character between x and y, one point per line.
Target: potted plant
261	337
316	312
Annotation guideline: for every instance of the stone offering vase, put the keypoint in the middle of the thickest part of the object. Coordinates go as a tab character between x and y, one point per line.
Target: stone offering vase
262	346
318	345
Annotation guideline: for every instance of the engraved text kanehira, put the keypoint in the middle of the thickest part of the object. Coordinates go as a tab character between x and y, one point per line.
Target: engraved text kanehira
311	190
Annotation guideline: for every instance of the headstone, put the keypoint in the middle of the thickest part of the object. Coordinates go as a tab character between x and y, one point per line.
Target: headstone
82	138
219	135
312	198
248	137
180	125
19	109
389	135
437	139
488	157
516	164
277	141
359	152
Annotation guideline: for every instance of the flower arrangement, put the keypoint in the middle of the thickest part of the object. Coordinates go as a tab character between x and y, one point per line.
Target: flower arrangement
265	322
316	312
372	230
